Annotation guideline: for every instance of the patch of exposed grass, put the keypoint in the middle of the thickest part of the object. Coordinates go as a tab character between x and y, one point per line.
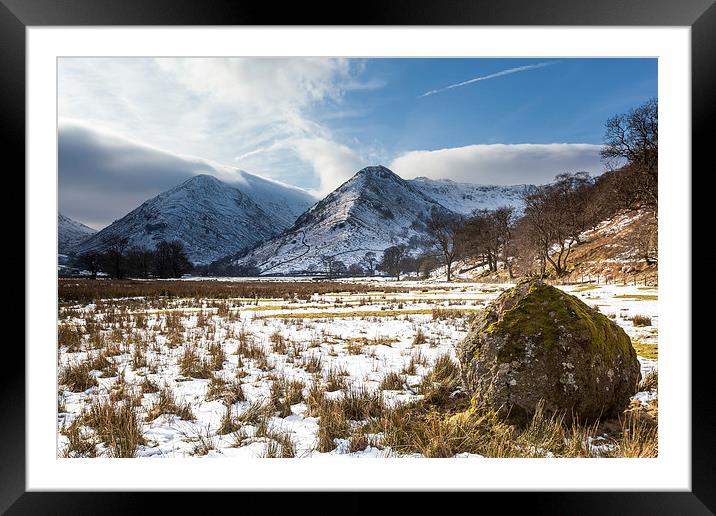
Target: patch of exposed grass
420	337
442	313
639	436
585	288
80	441
638	297
650	351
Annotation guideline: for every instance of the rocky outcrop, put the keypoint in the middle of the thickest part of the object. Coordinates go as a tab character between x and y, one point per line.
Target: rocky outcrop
535	343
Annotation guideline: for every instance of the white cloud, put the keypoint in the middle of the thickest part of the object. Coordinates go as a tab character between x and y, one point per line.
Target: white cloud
103	176
334	163
499	163
217	108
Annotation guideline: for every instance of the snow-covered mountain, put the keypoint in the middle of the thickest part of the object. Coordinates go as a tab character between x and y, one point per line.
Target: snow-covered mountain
211	218
285	203
372	211
465	198
70	233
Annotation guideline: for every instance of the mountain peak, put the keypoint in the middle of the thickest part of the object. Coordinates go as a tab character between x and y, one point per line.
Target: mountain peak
378	171
201	180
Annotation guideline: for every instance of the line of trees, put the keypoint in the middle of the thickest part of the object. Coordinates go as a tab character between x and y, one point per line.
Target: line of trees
119	260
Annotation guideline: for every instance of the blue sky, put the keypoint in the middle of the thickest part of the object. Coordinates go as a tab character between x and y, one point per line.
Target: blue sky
312	123
566	101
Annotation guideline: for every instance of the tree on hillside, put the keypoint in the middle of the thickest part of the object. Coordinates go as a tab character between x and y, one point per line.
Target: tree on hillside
444	232
555	216
482	238
170	260
391	260
631	143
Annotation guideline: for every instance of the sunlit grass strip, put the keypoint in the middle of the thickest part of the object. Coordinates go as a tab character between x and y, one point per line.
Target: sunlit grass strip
586	288
638	297
650	351
356	313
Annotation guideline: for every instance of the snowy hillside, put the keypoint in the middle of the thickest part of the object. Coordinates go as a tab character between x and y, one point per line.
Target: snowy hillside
465	198
285	203
370	212
211	218
70	233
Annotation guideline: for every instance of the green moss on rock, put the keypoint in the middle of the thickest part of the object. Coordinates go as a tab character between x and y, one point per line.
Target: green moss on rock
545	314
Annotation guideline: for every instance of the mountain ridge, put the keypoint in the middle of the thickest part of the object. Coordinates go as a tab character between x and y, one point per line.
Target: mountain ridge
70	233
371	211
210	217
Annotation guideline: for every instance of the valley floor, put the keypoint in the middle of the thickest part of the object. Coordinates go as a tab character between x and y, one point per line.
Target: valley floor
248	377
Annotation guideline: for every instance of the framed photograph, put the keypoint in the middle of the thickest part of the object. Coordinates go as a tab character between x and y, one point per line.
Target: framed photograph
418	249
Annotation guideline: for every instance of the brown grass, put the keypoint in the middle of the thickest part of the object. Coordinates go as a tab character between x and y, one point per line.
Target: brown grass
191	364
392	382
641	320
76	377
86	290
117	425
70	337
167	403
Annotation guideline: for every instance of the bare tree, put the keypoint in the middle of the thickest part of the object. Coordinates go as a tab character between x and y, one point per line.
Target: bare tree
114	256
504	221
631	142
370	260
483	238
170	260
332	266
409	265
392	258
555	216
355	269
444	232
90	261
140	261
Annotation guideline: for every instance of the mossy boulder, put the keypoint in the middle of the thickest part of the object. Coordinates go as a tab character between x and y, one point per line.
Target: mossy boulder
536	342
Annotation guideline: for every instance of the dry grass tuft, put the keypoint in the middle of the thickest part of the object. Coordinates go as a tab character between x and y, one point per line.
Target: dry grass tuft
650	381
191	364
392	382
117	425
77	377
70	337
167	403
641	320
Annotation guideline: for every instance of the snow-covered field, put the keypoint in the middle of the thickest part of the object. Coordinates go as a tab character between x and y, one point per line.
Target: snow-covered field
201	372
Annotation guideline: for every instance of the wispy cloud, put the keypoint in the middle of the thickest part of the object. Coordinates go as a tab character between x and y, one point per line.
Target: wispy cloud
217	108
509	71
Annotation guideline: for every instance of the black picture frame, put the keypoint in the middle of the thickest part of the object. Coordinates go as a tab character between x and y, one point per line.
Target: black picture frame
700	15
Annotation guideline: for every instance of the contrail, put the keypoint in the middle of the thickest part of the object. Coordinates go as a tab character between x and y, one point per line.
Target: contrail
491	76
